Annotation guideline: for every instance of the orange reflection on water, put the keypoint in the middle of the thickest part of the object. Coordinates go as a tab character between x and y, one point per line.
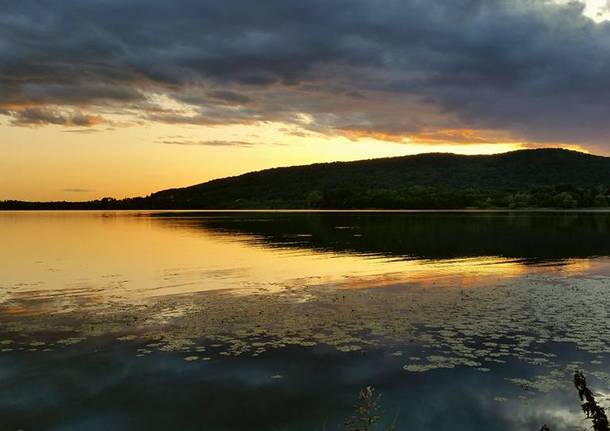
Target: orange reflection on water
463	273
67	260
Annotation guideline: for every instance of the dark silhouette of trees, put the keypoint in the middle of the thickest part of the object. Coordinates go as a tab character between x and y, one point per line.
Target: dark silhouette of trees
549	178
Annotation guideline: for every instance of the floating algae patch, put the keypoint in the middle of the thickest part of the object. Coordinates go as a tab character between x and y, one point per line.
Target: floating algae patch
556	379
438	362
71	340
127	338
434	328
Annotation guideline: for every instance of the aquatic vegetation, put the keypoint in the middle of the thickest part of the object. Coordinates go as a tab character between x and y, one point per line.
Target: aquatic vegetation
431	328
589	404
71	340
367	413
417	328
542	383
511	332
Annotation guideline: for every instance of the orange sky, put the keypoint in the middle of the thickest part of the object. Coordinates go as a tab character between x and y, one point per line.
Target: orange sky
55	163
92	106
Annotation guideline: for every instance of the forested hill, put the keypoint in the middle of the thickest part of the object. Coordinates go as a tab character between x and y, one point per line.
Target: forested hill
525	178
420	181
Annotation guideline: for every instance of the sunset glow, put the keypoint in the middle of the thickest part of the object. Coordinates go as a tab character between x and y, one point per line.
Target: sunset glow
90	109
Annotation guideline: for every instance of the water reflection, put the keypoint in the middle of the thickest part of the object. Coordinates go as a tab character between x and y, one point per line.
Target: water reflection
531	237
179	320
316	392
68	261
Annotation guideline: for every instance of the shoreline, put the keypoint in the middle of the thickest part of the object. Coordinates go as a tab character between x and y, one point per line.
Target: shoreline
313	210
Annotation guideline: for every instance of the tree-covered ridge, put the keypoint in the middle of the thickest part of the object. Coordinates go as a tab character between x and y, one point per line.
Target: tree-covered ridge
552	178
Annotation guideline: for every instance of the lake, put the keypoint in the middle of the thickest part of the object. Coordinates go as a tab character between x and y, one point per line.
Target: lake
276	320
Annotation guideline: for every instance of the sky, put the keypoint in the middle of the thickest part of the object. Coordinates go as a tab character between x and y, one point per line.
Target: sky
123	98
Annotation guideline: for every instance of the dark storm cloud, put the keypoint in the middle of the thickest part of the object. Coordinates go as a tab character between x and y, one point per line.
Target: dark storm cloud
43	116
39	116
535	68
230	97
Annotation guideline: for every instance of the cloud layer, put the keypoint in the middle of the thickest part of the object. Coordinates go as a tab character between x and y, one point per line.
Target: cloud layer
532	70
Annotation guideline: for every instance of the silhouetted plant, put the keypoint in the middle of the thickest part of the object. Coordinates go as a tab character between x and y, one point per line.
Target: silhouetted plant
367	412
589	405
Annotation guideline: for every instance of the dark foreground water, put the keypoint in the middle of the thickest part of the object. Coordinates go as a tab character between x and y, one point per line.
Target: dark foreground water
275	321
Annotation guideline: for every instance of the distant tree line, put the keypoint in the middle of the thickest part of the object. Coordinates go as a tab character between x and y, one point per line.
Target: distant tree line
419	197
414	197
544	178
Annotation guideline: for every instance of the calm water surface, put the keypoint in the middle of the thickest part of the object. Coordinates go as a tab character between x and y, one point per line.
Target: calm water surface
274	321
